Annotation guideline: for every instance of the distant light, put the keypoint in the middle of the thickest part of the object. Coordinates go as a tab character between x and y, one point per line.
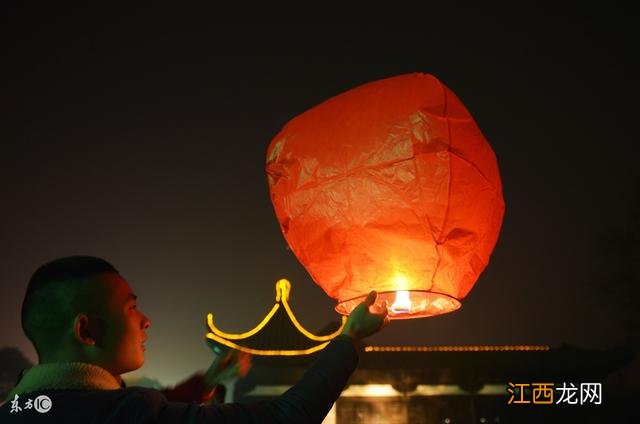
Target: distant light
479	348
387	390
370	390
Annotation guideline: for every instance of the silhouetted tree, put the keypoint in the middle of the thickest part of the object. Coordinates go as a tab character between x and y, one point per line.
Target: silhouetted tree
616	269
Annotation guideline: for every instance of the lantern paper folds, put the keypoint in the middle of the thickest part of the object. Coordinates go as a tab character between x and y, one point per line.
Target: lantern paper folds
392	187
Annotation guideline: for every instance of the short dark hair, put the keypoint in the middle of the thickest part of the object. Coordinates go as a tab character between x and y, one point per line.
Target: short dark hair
49	302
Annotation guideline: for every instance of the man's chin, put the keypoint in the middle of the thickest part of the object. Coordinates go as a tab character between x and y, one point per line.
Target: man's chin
133	366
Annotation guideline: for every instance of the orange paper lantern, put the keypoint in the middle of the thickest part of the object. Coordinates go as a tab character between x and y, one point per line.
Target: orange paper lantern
389	186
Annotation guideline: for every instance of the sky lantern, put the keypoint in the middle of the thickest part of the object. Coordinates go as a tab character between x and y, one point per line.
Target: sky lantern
389	186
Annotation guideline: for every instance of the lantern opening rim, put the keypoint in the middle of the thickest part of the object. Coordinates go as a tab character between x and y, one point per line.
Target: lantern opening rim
435	303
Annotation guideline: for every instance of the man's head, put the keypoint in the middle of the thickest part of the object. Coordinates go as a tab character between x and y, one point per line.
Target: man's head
79	309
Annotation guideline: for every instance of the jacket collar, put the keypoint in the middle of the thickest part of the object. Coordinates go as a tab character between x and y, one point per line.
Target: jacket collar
65	375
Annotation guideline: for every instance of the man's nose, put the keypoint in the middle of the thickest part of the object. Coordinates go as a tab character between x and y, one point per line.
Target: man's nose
146	323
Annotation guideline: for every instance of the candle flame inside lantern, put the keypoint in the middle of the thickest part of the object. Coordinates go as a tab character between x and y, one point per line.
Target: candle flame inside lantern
402	304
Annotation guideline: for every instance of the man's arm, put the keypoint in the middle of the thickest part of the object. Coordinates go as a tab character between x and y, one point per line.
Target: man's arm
306	402
193	389
311	398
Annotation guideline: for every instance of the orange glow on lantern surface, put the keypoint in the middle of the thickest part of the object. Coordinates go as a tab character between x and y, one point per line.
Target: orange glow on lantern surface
391	187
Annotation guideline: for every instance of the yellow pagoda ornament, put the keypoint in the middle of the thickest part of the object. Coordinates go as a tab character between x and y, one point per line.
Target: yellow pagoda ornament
276	334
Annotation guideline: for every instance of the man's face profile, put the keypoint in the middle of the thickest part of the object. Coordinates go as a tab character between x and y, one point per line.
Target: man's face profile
122	342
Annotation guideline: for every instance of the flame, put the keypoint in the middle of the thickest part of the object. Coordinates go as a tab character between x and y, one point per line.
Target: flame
402	304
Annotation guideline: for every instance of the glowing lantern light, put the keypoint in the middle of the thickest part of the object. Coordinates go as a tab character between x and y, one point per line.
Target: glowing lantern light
389	186
402	303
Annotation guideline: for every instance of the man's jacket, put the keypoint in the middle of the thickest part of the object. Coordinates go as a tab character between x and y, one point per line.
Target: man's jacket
89	394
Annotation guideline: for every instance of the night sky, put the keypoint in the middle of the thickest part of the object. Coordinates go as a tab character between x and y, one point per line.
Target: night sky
140	136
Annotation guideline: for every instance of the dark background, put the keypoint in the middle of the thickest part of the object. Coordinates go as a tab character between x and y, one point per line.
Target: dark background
140	136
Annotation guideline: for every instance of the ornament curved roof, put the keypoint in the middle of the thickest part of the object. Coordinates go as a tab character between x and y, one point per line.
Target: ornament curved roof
278	334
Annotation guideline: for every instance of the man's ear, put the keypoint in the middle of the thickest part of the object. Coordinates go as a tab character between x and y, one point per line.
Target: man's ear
88	330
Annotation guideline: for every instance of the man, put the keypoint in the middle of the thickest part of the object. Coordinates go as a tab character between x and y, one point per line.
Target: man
81	315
